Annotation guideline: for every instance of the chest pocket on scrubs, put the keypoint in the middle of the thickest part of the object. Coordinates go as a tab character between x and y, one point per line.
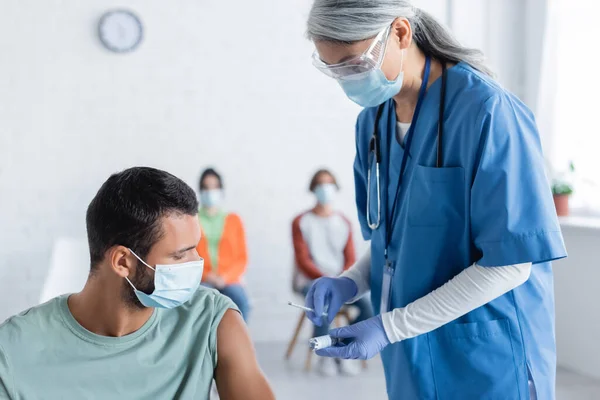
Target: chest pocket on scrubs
437	197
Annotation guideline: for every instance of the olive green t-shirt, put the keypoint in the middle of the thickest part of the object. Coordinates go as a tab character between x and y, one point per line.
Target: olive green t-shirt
46	354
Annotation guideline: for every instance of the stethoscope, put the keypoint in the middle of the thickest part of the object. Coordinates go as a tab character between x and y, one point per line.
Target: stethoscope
375	147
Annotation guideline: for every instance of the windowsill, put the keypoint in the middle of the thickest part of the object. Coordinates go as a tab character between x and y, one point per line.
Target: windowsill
583	222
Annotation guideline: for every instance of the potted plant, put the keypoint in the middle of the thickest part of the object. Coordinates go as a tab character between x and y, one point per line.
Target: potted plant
562	188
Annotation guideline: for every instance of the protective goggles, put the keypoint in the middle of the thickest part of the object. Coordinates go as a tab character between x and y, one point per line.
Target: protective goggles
355	68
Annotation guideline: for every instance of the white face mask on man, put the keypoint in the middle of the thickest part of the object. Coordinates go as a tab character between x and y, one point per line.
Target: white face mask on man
174	284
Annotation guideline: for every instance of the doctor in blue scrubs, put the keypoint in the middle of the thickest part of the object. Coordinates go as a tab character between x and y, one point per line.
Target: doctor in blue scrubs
452	194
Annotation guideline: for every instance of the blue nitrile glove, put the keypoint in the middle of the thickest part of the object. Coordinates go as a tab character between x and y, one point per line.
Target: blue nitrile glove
328	294
361	341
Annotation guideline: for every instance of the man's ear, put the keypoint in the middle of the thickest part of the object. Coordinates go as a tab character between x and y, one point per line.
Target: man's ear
122	261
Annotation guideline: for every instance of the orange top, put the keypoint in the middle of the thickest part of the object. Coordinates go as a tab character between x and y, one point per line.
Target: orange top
233	256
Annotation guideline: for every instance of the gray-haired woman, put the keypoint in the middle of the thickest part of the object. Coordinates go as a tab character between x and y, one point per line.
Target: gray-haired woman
451	191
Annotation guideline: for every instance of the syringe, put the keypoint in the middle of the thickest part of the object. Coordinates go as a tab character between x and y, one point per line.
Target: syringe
324	314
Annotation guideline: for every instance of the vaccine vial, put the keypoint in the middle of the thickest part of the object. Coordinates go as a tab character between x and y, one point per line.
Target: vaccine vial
322	342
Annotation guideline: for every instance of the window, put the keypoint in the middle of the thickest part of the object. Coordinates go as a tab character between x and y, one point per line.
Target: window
576	131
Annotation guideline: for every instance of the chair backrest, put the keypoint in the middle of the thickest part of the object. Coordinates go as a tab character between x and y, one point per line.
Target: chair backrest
68	270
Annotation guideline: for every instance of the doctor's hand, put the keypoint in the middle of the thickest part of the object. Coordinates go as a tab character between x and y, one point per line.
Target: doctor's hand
360	341
328	294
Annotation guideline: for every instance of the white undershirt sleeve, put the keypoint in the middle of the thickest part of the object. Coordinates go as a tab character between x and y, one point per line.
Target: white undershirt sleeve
360	273
472	288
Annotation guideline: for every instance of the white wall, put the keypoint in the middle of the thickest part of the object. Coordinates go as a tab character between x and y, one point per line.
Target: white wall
497	28
577	288
536	13
228	84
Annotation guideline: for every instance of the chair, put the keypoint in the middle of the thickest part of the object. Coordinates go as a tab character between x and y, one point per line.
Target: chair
68	270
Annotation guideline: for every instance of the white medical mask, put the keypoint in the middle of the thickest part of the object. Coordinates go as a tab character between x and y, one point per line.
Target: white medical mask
174	284
211	197
373	88
325	193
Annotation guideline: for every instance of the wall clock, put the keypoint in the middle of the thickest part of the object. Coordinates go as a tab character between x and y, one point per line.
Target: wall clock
120	31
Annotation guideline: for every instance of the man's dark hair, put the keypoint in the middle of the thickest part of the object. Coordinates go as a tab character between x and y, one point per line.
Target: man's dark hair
209	172
314	180
128	208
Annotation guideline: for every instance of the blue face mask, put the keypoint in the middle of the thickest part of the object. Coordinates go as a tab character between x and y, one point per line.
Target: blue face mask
374	88
211	197
174	284
325	193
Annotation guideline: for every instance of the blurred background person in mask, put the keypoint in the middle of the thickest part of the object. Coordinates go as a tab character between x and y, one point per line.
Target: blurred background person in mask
223	243
323	246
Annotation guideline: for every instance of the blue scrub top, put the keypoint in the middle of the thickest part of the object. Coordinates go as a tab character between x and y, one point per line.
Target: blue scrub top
490	203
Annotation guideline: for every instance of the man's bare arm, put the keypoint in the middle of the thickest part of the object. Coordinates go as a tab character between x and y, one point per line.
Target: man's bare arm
238	375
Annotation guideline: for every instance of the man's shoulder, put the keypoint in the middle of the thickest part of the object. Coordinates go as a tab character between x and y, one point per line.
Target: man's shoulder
36	321
207	306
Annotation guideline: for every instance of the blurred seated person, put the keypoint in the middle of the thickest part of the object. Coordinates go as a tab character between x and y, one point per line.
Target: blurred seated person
223	243
141	328
323	246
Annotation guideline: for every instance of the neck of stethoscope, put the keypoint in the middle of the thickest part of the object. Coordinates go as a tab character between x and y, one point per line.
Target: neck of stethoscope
375	148
411	109
406	99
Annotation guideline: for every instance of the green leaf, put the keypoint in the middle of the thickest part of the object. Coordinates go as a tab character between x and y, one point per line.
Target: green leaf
562	189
